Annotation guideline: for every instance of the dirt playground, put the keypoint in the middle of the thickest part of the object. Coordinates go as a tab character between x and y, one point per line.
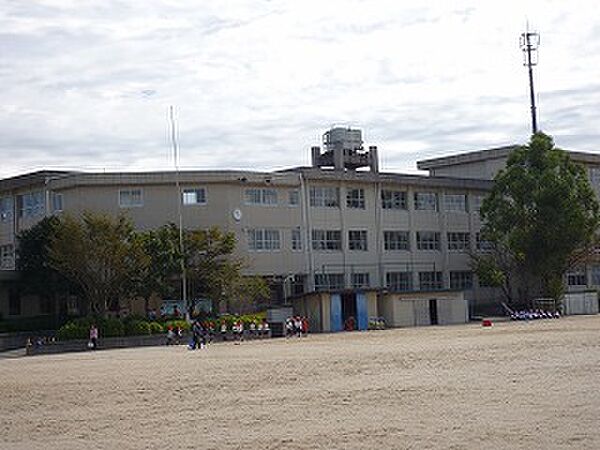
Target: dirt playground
515	385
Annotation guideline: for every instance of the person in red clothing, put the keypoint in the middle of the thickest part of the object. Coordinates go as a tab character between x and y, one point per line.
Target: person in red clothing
305	326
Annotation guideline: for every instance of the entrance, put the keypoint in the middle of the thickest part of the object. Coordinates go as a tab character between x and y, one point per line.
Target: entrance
349	310
433	312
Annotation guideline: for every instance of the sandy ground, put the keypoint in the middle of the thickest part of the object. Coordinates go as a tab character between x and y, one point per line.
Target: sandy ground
516	385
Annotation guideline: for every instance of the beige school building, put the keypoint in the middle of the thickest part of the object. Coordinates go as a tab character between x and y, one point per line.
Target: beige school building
339	225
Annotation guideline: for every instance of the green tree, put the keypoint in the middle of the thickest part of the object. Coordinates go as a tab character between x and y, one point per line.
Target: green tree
101	255
33	262
541	218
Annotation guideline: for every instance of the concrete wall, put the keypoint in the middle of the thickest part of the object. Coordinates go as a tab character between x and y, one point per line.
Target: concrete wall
412	309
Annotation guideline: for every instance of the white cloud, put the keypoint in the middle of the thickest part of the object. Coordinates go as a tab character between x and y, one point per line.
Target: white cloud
87	85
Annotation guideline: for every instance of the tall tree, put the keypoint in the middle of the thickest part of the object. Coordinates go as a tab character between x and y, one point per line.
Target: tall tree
101	255
33	263
541	218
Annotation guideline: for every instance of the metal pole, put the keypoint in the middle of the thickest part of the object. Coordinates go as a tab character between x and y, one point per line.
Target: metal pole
177	184
531	90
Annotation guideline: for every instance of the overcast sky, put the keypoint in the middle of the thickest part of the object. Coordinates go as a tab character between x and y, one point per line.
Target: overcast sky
87	84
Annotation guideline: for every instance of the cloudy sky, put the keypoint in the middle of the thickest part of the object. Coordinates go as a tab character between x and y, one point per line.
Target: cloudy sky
87	84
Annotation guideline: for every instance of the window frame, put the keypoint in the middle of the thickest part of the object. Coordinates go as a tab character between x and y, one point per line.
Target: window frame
130	191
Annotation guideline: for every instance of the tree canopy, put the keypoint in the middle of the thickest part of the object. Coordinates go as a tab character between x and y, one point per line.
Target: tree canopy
541	218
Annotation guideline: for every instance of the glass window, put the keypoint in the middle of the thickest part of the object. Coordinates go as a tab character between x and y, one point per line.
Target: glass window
258	196
7	256
482	244
31	204
266	239
6	209
459	242
296	239
355	198
428	240
14	303
294	198
396	240
359	280
430	281
325	196
455	202
398	281
461	280
393	199
426	201
196	196
357	240
130	198
476	202
595	272
329	281
576	278
595	176
57	202
326	239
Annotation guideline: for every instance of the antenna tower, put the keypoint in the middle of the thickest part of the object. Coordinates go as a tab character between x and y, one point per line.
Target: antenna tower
529	43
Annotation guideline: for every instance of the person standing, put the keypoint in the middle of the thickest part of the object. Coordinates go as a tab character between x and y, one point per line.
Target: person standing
93	337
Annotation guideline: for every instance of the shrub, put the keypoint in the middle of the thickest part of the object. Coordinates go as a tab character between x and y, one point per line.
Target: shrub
72	330
175	323
156	328
137	328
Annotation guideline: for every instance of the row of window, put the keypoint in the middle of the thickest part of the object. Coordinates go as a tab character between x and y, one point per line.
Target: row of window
268	239
33	204
396	281
7	256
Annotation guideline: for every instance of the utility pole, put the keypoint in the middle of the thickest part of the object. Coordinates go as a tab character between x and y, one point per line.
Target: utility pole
179	200
529	43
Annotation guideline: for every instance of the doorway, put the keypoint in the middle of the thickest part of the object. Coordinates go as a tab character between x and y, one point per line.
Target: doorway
433	312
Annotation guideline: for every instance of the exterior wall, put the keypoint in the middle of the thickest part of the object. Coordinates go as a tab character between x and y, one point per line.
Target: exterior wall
482	170
581	303
412	309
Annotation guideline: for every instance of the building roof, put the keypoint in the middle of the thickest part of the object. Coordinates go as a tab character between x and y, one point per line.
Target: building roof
31	178
495	153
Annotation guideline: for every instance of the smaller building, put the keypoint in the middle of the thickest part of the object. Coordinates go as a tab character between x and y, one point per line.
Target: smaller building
333	311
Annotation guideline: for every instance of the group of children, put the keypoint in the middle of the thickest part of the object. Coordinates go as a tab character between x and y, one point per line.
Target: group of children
534	314
296	326
203	333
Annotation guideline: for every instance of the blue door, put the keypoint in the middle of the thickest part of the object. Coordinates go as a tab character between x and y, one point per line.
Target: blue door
336	312
362	314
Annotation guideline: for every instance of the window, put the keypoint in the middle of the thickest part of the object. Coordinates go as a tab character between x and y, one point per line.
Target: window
326	239
461	280
576	278
294	198
428	240
426	201
130	198
258	196
430	281
398	281
329	281
482	244
459	242
14	303
296	239
393	199
57	202
7	256
328	197
455	202
195	196
31	204
263	239
46	305
476	202
396	240
355	198
595	176
595	275
359	280
6	209
357	240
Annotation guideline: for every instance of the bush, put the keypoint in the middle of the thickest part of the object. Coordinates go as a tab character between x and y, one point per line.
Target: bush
137	328
175	323
156	328
72	330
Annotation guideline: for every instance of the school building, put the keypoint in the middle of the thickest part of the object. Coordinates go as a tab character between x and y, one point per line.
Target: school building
339	226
